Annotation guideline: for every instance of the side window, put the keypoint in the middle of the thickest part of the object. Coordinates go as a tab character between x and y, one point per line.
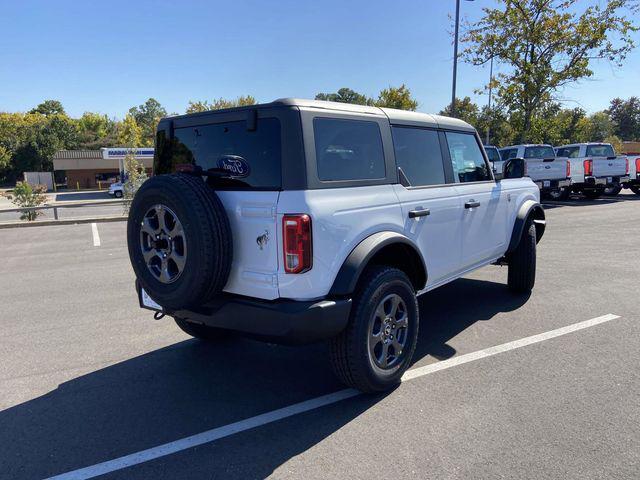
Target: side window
466	157
348	149
418	155
508	154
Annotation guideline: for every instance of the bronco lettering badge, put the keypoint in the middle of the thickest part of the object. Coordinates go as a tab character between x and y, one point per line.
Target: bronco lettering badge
236	165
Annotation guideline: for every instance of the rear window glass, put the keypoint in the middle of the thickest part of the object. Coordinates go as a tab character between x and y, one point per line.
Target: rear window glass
419	156
254	156
493	154
348	149
600	151
570	152
541	151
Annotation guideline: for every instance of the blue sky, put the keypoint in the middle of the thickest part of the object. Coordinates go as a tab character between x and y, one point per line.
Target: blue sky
109	56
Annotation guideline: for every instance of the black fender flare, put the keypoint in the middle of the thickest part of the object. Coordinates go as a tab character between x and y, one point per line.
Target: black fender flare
529	208
355	263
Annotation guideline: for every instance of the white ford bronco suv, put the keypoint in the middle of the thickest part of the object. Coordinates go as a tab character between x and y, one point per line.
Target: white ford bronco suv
300	220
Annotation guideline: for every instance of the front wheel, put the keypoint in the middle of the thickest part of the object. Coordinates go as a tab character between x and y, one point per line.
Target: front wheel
522	262
377	345
612	191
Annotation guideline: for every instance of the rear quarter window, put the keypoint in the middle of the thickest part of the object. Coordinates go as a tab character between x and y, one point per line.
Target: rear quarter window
257	153
348	149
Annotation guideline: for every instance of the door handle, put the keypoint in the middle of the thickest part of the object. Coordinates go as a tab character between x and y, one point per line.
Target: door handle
419	213
471	204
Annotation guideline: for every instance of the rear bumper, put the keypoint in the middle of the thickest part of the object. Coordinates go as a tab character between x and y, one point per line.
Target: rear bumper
604	181
552	184
281	321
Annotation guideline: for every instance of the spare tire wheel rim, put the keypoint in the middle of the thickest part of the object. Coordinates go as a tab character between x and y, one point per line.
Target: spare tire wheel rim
388	332
163	244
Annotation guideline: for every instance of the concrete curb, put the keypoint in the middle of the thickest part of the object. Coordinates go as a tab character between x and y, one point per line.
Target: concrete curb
66	221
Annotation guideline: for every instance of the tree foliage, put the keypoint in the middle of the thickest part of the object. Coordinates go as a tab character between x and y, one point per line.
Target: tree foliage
49	107
626	117
220	103
147	117
392	97
545	45
26	195
130	133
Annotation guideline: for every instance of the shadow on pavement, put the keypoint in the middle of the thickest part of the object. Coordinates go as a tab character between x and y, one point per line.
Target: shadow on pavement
580	201
191	387
79	196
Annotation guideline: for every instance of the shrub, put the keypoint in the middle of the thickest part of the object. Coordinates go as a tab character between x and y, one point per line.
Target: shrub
27	195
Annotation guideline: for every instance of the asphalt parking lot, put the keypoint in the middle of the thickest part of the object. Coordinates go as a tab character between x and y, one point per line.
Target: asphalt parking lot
87	377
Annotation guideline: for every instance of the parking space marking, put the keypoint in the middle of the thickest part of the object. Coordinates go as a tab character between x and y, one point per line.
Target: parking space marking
308	405
96	235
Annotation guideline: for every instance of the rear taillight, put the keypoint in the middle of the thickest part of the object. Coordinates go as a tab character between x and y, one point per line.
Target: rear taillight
297	243
638	166
626	161
568	169
588	167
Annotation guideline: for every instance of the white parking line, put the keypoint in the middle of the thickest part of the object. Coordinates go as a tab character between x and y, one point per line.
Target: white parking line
275	415
96	235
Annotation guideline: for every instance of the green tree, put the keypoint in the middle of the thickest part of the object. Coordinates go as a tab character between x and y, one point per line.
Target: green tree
626	117
136	175
129	133
49	107
465	110
615	142
545	45
147	117
346	95
397	97
96	130
220	103
501	132
27	195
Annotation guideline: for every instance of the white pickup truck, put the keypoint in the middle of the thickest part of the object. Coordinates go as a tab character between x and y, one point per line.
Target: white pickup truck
549	172
634	174
594	168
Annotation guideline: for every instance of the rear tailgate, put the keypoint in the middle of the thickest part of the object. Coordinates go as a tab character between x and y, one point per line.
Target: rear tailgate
609	166
546	169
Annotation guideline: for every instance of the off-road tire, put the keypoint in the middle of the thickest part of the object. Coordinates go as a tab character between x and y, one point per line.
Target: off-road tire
209	243
522	262
203	332
349	351
593	194
612	191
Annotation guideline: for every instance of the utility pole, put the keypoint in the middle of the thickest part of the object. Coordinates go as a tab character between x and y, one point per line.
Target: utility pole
455	60
489	105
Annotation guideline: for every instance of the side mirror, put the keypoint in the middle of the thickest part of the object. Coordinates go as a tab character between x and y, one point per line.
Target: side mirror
514	168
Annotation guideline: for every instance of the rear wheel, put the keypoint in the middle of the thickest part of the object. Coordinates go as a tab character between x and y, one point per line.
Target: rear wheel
635	189
593	194
377	345
202	332
522	262
612	191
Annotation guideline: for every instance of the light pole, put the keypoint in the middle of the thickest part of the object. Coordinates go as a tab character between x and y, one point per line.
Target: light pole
489	106
455	58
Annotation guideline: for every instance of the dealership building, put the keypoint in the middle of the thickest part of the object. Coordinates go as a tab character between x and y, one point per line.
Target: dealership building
91	168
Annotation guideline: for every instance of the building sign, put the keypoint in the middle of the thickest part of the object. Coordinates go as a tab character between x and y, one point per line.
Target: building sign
122	152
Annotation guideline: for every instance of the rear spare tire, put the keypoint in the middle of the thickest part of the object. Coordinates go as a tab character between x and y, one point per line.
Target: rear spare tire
179	240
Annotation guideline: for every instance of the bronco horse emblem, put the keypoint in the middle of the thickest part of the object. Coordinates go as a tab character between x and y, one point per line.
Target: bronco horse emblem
263	239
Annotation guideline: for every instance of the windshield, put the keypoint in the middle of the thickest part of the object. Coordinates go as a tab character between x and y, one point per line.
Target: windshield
492	153
604	150
540	151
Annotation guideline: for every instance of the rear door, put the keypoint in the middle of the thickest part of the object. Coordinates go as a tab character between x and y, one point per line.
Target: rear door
484	203
250	197
430	204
